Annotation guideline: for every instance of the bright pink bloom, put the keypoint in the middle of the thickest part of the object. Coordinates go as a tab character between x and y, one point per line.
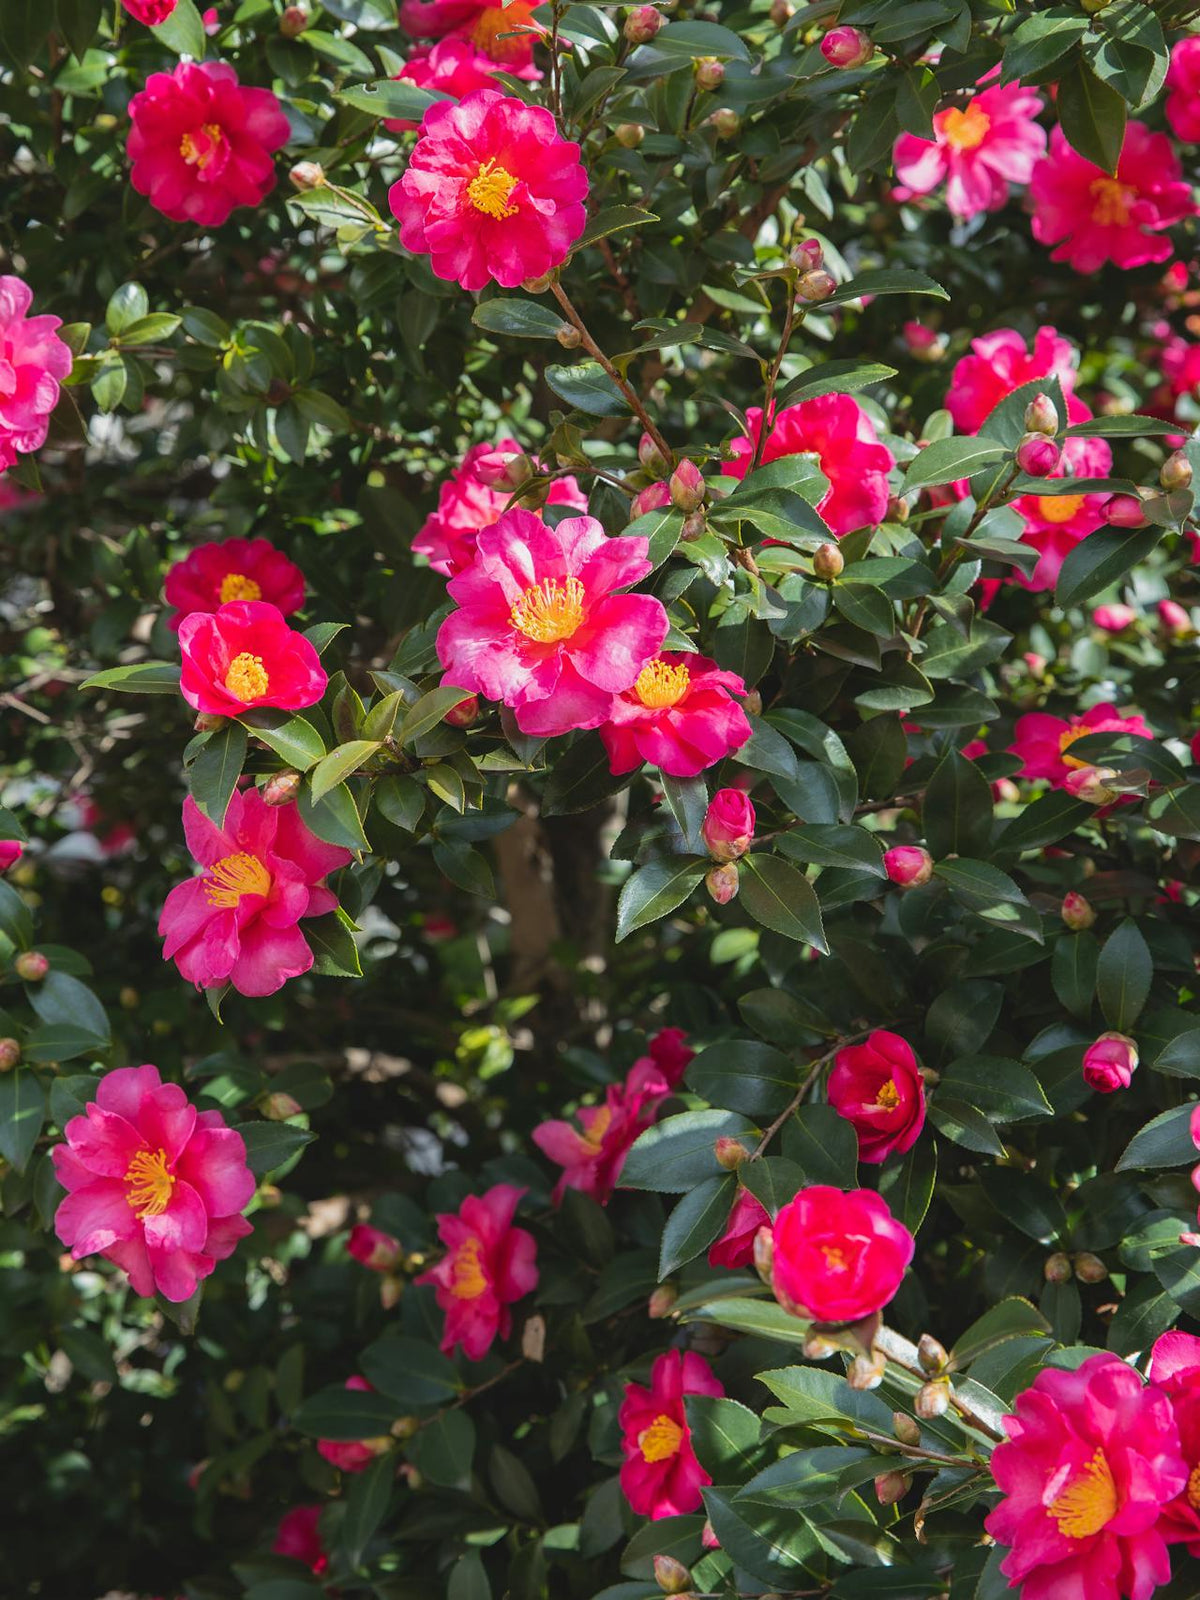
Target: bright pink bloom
660	1476
373	1248
299	1536
1109	1063
540	627
1180	363
453	66
152	1184
679	715
838	431
1091	1458
469	499
354	1455
1055	523
201	144
492	193
878	1088
33	361
151	12
244	655
847	47
10	853
976	151
908	866
1183	82
728	826
211	21
113	840
735	1247
838	1256
1114	618
1001	362
1043	741
488	1264
503	33
1093	217
215	575
1038	456
237	922
1175	1369
592	1159
670	1053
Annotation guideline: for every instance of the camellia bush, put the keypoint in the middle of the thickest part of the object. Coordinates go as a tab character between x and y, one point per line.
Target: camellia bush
600	819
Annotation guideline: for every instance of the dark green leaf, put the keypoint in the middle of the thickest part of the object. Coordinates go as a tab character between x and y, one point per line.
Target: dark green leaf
1165	1141
1092	115
213	775
522	318
22	1113
147	677
676	1154
744	1075
1102	559
653	891
587	387
1123	976
957	809
695	1222
781	898
268	1146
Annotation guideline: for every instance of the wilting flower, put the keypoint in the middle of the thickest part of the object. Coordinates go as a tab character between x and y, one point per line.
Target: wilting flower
728	826
1109	1063
244	655
1092	1457
152	1184
201	143
1093	217
33	361
660	1476
540	627
492	191
1175	1369
977	150
215	575
488	1264
593	1154
1043	742
452	66
1001	362
299	1536
735	1247
878	1088
354	1455
237	922
151	12
470	500
373	1248
838	431
679	715
503	33
1183	85
838	1256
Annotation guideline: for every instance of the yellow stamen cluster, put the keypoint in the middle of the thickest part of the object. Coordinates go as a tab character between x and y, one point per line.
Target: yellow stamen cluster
247	677
1110	202
191	150
966	130
237	586
227	880
549	611
489	189
150	1184
660	1440
660	684
467	1277
1088	1503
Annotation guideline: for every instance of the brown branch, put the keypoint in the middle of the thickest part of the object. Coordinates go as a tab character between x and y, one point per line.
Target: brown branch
594	350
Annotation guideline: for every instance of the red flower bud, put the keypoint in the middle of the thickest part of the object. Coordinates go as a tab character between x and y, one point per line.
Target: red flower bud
307	175
730	1152
642	23
807	256
281	788
1038	456
1077	912
31	966
728	826
661	1301
654	497
1174	618
651	458
816	286
847	47
464	713
890	1487
1124	511
924	344
1110	1062
293	22
373	1248
687	486
710	73
1175	472
1091	784
10	1054
908	866
722	883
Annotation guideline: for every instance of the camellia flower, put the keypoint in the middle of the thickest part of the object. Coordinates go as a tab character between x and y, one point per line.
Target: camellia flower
33	362
201	143
592	1159
1043	741
838	1256
1183	85
354	1455
10	853
244	655
878	1088
152	1184
470	500
373	1248
671	1054
976	151
1092	1457
488	1264
492	193
215	575
1175	1369
679	714
237	922
504	34
735	1247
1109	1063
838	431
1093	217
660	1476
151	12
1001	362
540	627
452	66
1055	523
299	1536
728	826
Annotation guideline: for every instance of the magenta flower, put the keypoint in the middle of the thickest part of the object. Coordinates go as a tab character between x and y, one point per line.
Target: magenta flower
878	1088
471	498
244	655
540	626
354	1455
679	715
215	575
838	431
151	12
373	1247
735	1247
1183	85
152	1184
1175	1369
1001	362
660	1476
201	143
592	1159
237	922
492	193
503	33
838	1255
1110	1062
299	1536
10	853
452	66
976	151
33	362
487	1266
1093	217
1043	741
1055	523
728	826
670	1052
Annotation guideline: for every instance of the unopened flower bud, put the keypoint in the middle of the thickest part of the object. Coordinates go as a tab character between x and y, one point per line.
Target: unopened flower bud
816	286
828	562
278	1107
931	1354
662	1301
924	344
307	175
651	458
390	1290
1089	1268
933	1400
764	1254
752	703
1110	1062
847	47
31	966
293	22
1091	784
570	338
1057	1268
1041	415
897	509
1114	618
908	866
629	135
726	122
890	1487
687	486
538	285
1094	7
782	12
1038	456
710	73
1077	911
1174	618
1124	511
807	256
10	1054
406	1427
905	1429
654	497
728	826
642	23
208	722
866	1372
722	882
671	1576
281	788
1175	472
464	713
695	524
730	1152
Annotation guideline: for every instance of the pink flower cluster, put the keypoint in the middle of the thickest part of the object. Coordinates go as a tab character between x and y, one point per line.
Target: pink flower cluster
487	1266
33	363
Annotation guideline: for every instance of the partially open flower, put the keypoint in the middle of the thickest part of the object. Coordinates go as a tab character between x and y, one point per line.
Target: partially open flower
847	47
1109	1063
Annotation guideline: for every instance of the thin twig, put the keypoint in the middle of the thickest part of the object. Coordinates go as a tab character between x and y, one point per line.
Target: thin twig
594	350
813	1074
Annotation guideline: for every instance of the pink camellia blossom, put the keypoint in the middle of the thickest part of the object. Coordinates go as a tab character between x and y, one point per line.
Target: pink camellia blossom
1114	618
679	714
660	1476
838	431
735	1247
469	500
1110	1062
1055	523
1183	85
354	1455
201	143
728	826
977	150
1179	360
671	1054
373	1247
540	626
878	1088
487	1266
10	853
152	1184
503	33
33	363
1175	1370
452	66
908	866
1092	216
244	655
299	1536
1043	742
151	12
1092	1457
493	193
215	575
838	1255
237	922
1001	362
592	1159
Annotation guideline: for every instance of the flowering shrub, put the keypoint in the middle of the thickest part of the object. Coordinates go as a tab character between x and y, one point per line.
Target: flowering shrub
600	625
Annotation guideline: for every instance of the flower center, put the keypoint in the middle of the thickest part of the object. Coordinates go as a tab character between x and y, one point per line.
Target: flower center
659	684
660	1440
966	130
237	586
1058	507
227	880
599	1127
496	20
1088	1503
489	189
200	146
1110	202
888	1097
468	1279
150	1184
1193	1488
835	1259
549	611
1067	739
247	677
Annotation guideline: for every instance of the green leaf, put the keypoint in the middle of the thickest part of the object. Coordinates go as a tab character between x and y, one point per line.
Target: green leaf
581	779
989	893
834	845
614	219
469	1579
1092	115
1043	821
147	677
333	818
957	809
677	1153
1176	812
331	940
866	607
823	1145
294	740
59	997
885	280
79	20
523	318
1039	41
212	776
268	1146
394	98
687	40
127	305
1012	1318
401	800
907	1185
1073	972
695	1222
961	1019
22	1113
1025	1200
340	763
1165	1141
781	898
183	31
1123	976
414	1374
443	1450
59	1041
428	711
588	388
653	891
1180	1056
153	329
773	1181
724	1435
964	1125
763	1318
744	1075
366	1505
833	377
10	828
333	47
1100	560
1001	1089
688	800
946	460
345	1414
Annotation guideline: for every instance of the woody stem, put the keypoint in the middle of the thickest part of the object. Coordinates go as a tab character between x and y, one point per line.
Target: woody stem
814	1072
594	350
